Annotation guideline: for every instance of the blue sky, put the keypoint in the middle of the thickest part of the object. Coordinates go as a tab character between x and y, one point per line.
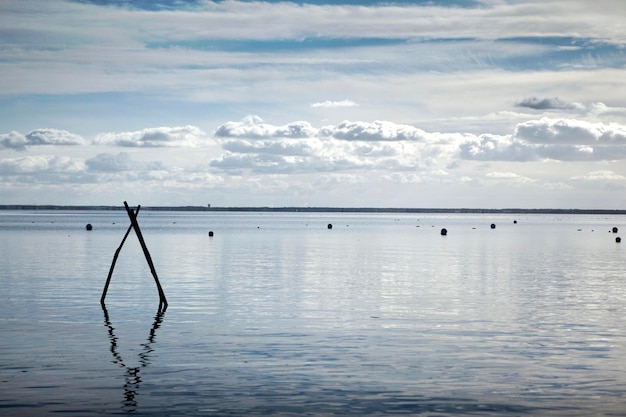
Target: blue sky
488	103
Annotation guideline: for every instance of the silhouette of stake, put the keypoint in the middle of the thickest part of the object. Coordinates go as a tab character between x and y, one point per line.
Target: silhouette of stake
117	252
134	225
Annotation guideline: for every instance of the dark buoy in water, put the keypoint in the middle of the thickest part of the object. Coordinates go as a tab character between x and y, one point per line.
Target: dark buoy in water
330	226
211	233
514	221
493	226
444	231
618	239
615	230
89	226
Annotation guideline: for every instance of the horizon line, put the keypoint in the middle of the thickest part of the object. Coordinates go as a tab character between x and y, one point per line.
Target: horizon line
321	209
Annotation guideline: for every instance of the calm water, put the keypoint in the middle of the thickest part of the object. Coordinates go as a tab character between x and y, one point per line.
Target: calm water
278	315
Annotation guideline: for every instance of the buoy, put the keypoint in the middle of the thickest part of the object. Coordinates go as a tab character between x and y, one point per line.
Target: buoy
514	221
444	232
615	230
89	226
330	226
211	233
493	226
618	239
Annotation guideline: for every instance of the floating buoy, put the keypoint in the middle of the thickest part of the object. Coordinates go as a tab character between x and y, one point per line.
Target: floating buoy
89	226
330	226
615	230
444	231
493	226
211	233
514	221
618	239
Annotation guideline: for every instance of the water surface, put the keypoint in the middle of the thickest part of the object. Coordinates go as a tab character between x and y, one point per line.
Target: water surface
278	315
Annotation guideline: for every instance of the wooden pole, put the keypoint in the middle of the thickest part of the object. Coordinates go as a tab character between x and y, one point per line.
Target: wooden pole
135	225
117	252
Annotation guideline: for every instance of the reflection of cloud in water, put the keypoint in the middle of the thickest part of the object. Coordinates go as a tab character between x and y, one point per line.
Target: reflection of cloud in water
132	377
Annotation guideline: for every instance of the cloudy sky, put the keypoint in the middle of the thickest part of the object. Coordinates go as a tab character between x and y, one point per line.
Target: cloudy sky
460	103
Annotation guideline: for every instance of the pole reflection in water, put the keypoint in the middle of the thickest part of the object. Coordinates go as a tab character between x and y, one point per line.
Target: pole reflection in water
131	375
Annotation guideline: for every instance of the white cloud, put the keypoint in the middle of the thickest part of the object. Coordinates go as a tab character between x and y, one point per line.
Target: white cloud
570	131
549	103
39	164
253	127
375	131
13	140
282	147
604	175
561	140
381	146
335	104
17	141
497	148
53	137
186	136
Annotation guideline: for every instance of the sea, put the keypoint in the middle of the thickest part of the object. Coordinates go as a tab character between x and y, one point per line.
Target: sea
312	314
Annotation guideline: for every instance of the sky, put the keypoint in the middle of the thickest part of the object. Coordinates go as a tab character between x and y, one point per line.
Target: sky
448	104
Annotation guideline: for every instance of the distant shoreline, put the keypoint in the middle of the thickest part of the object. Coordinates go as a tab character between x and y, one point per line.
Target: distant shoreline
35	207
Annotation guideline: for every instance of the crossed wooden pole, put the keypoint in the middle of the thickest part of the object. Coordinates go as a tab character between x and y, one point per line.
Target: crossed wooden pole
134	225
